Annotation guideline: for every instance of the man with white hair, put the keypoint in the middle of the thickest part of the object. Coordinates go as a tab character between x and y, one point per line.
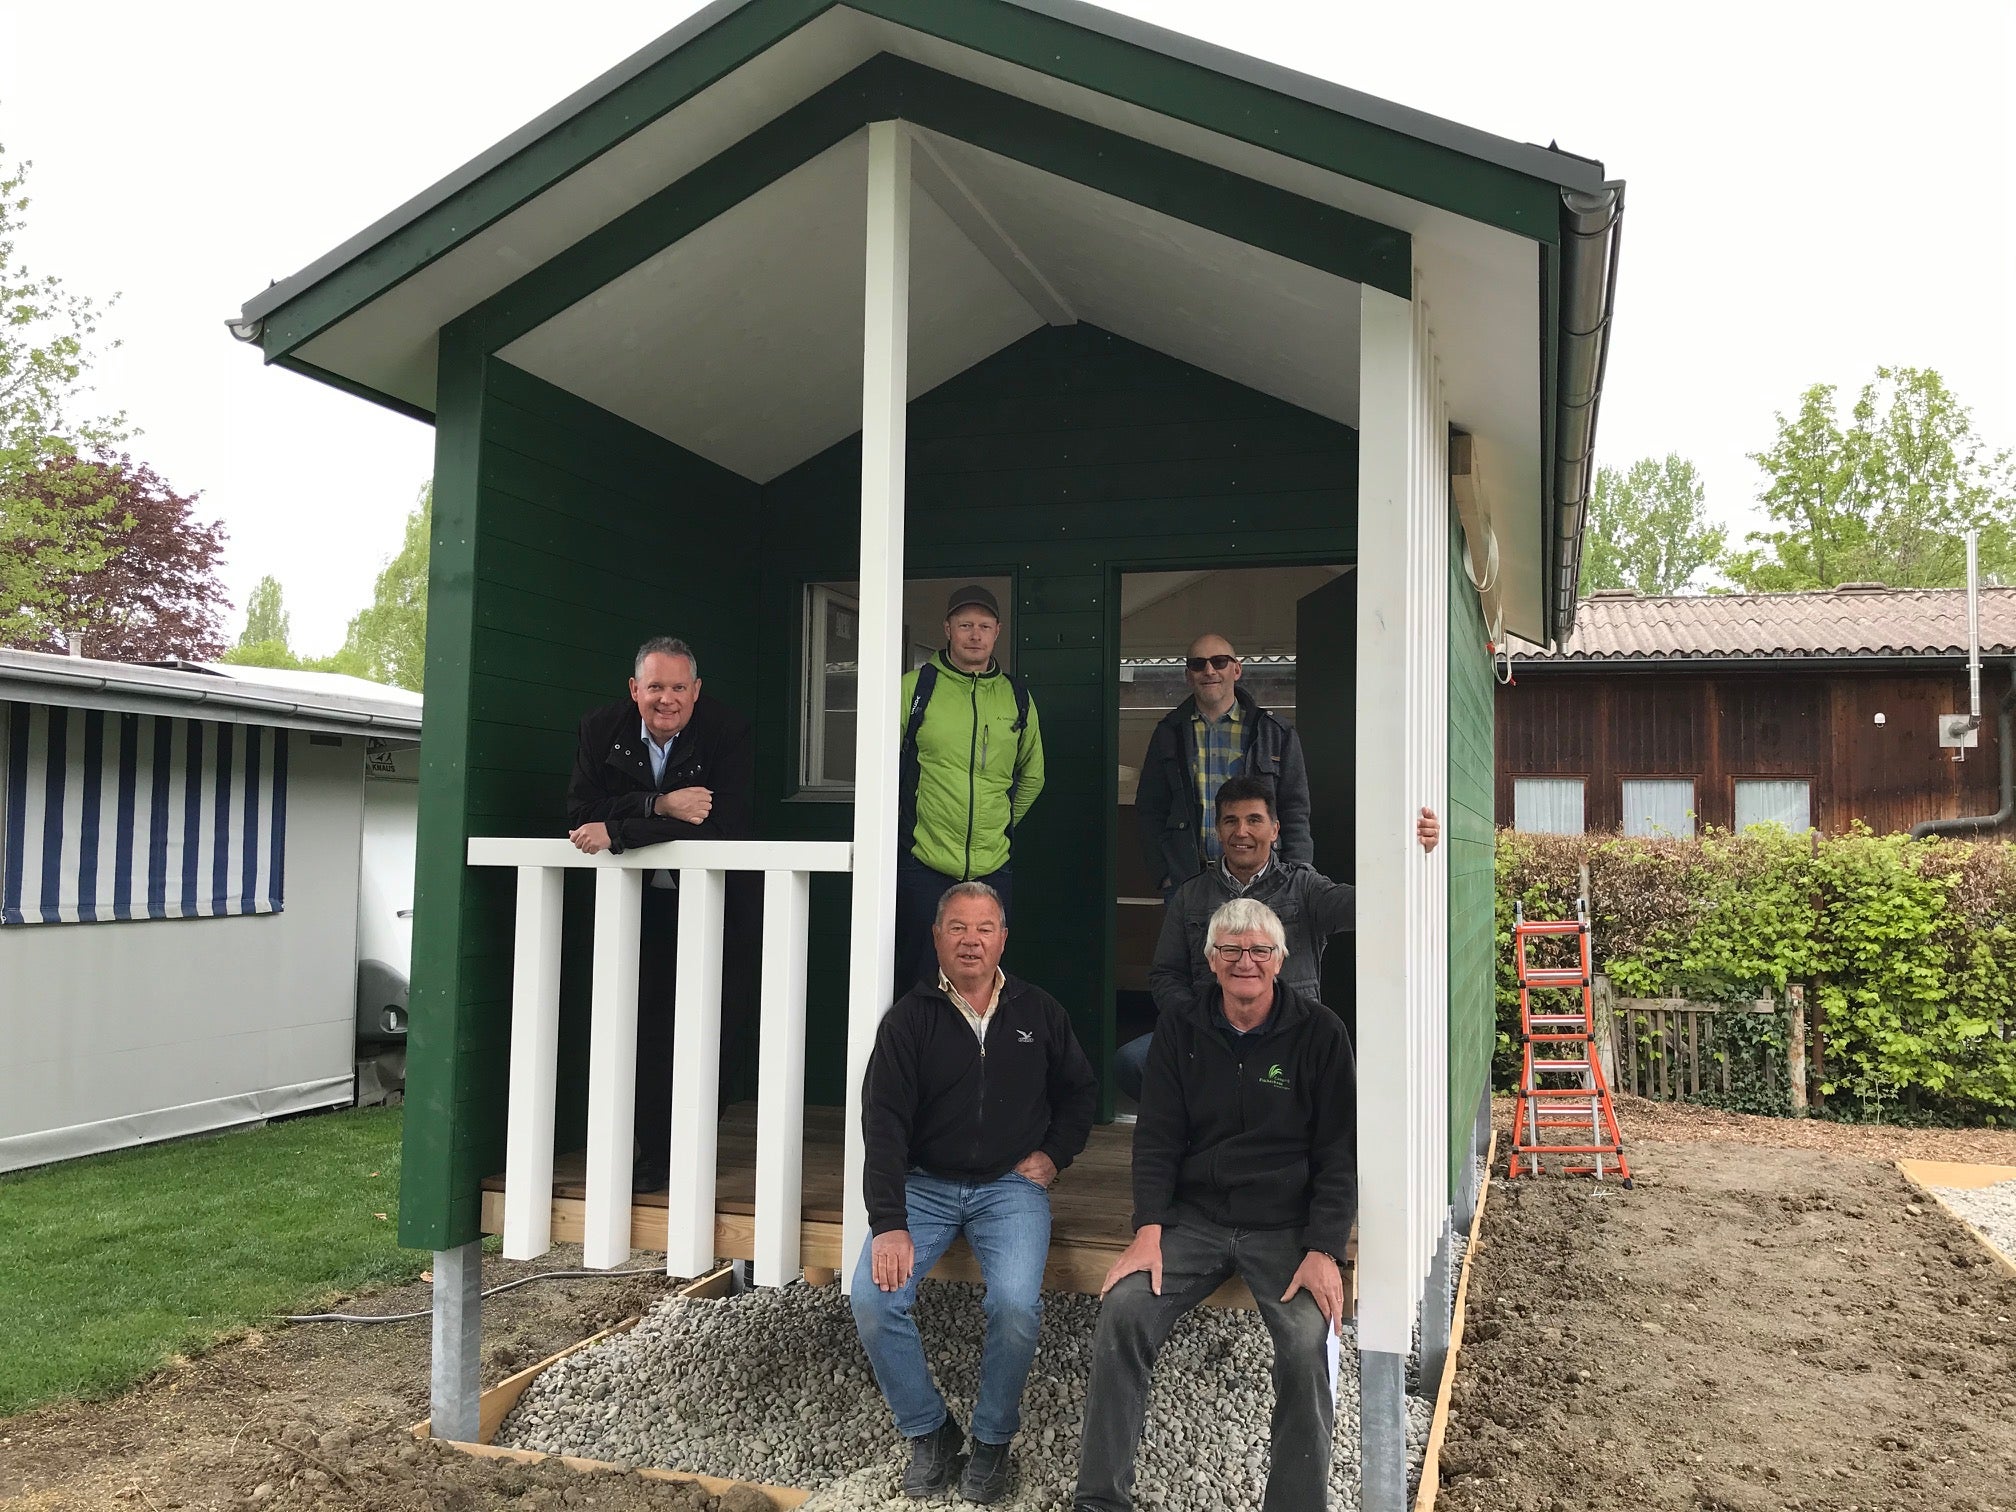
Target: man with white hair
1245	1163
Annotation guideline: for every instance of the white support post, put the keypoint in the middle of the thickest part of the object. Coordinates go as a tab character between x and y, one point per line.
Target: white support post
1385	866
885	363
1402	940
535	1049
612	1067
696	1075
780	1102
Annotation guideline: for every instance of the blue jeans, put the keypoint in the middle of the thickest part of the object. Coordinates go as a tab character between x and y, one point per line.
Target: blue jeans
1130	1065
1007	1223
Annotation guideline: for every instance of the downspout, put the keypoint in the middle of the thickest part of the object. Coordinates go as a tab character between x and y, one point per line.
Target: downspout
1591	228
2006	753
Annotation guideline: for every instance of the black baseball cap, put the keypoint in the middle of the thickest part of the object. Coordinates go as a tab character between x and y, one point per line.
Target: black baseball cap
972	593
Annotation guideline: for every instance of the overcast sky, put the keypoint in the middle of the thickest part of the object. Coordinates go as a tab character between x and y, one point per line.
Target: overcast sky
1814	190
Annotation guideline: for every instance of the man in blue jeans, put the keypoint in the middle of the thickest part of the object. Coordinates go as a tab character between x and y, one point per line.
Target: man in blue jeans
976	1096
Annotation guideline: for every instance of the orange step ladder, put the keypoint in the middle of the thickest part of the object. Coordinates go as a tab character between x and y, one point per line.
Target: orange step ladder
1561	1083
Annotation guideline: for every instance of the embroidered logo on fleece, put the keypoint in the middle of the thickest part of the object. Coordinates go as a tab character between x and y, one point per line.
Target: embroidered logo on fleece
1275	1078
1026	1036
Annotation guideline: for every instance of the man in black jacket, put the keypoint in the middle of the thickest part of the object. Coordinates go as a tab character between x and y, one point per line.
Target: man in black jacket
1219	731
976	1096
669	763
1245	1163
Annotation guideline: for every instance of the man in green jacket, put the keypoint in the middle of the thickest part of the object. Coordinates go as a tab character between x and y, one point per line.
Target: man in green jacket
972	758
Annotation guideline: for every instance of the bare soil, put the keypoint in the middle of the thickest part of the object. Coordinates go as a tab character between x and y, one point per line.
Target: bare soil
1764	1322
319	1415
1752	1327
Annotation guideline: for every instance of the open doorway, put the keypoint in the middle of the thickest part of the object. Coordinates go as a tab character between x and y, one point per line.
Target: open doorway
1294	629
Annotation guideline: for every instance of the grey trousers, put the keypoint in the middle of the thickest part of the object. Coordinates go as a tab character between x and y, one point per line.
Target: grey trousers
1197	1257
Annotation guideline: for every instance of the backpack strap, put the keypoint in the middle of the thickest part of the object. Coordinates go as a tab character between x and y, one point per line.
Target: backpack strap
907	766
920	700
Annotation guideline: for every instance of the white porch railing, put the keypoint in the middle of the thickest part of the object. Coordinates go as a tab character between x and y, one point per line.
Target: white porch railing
703	866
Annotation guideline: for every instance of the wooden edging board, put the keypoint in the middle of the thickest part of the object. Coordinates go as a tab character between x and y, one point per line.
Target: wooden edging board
1927	1174
496	1403
1438	1427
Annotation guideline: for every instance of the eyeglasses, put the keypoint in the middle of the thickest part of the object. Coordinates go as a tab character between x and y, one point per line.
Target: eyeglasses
1215	663
1261	954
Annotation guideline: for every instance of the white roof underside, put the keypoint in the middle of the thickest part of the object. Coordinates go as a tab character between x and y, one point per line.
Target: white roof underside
742	342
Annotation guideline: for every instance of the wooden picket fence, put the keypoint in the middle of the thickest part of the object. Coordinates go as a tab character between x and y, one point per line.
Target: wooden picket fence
1669	1049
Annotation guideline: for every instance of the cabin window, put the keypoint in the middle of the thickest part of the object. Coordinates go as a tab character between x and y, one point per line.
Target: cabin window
832	651
1774	800
1659	806
832	625
1547	805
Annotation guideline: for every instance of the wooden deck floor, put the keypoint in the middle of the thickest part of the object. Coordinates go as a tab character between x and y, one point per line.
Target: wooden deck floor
1090	1206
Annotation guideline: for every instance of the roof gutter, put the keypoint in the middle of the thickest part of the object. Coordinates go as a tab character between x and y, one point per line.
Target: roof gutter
223	697
1591	227
2006	751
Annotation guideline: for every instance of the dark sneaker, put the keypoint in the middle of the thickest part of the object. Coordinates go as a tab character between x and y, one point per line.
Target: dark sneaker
650	1173
934	1459
986	1477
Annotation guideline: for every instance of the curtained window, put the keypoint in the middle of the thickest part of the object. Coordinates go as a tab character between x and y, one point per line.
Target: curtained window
1547	805
1659	806
1774	800
136	816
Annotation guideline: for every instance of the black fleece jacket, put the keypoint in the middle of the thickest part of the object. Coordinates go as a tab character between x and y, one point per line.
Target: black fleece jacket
932	1099
612	775
1261	1134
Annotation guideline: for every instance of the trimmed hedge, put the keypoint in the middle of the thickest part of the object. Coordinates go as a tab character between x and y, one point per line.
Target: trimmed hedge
1909	944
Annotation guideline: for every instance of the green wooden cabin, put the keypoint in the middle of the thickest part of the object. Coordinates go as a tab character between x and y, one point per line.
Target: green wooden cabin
1177	331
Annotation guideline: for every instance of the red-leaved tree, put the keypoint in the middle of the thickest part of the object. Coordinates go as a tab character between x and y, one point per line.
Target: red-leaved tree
155	594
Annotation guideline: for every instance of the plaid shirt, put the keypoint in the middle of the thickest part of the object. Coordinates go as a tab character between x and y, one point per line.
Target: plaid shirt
1220	753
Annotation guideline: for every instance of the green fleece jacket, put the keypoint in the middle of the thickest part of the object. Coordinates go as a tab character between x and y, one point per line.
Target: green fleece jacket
974	777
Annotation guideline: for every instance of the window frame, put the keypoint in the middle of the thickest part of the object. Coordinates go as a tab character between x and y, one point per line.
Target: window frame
812	711
1693	805
1736	780
1580	780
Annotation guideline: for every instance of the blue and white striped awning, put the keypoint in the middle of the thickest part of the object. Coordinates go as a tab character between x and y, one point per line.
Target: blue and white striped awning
138	816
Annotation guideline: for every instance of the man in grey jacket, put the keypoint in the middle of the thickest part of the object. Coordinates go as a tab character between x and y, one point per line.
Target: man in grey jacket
1310	906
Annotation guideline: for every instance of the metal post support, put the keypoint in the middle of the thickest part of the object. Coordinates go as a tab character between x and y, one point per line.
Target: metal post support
1382	1431
456	1389
1463	1201
1435	1316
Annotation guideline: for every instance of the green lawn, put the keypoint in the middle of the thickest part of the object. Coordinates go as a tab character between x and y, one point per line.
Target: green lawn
110	1265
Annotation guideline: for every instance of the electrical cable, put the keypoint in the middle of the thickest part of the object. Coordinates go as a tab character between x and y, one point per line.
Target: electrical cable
559	1275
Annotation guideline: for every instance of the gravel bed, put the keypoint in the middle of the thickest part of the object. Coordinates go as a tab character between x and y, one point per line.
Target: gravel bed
773	1386
1991	1209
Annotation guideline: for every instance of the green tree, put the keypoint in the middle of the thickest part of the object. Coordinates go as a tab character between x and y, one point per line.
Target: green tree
1886	497
387	641
1648	529
265	641
51	510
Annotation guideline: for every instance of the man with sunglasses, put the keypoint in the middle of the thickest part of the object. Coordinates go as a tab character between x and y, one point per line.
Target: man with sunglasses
1219	731
1245	1163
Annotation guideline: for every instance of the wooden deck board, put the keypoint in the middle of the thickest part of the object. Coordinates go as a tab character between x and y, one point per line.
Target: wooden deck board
1090	1206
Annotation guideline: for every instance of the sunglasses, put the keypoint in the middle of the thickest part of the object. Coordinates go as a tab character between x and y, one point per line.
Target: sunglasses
1215	663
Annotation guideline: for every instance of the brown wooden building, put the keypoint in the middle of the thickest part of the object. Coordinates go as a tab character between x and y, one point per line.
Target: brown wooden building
1661	715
